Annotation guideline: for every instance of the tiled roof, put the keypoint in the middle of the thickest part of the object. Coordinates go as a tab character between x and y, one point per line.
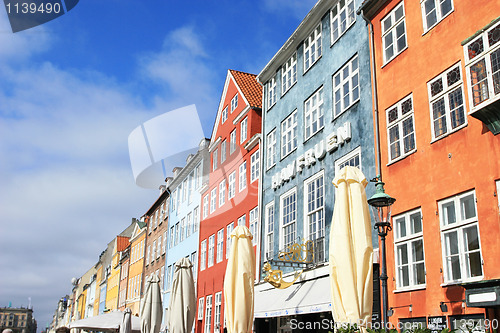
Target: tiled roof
249	87
122	243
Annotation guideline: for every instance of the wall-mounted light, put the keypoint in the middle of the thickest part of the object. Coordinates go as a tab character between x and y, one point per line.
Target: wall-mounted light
390	312
444	307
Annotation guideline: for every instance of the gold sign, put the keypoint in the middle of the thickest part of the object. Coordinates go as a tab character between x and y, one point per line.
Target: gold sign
275	277
295	253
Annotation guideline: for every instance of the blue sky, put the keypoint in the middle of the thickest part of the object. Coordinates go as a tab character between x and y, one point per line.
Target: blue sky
73	89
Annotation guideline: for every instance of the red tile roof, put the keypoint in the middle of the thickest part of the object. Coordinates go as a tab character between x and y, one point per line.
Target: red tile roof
249	87
122	243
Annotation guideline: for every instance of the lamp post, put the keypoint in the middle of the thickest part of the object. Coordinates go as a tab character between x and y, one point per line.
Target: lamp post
381	204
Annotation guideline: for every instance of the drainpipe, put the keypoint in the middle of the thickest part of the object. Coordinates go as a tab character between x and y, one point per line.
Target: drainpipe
375	96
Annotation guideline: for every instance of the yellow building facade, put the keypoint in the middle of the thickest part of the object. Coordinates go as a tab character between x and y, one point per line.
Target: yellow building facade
136	267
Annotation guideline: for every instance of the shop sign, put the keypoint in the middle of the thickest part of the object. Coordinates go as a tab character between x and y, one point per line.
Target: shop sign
436	324
318	152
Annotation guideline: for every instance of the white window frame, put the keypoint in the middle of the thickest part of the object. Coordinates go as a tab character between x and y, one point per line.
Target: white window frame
272	92
459	226
314	115
242	220
201	303
211	250
229	230
341	19
349	159
205	206
444	96
482	59
244	130
203	254
213	200
395	24
234	102
183	229
189	222
289	134
407	238
172	237
208	314
231	187
232	141
223	151
271	144
153	251
269	229
159	248
220	244
215	158
253	222
217	311
254	166
404	146
196	218
292	223
242	176
224	115
289	74
317	212
438	12
177	232
222	193
346	88
312	48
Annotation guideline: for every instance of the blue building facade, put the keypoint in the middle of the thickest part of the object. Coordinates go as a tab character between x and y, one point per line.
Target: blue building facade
185	199
317	118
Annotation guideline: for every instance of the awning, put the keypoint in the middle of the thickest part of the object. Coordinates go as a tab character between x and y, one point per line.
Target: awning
309	296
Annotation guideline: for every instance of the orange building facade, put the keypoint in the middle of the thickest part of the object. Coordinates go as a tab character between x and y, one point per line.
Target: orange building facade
437	85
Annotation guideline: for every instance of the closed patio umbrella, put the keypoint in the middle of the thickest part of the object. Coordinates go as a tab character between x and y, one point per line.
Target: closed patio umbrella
182	307
351	250
126	326
151	308
238	282
111	321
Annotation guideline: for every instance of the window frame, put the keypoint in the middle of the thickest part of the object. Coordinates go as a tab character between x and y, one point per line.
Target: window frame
439	15
271	145
393	29
211	250
201	306
253	223
271	92
336	19
244	130
205	206
229	230
208	313
215	158
348	157
314	108
203	255
399	122
217	311
223	151
289	69
222	192
291	131
224	114
313	45
242	176
339	82
213	200
232	141
220	245
283	243
312	179
269	221
231	187
234	102
255	166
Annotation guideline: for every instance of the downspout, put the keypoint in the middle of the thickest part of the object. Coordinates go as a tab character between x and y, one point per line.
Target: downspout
375	96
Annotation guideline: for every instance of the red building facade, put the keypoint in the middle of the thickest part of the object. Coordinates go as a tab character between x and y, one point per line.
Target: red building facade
437	84
231	198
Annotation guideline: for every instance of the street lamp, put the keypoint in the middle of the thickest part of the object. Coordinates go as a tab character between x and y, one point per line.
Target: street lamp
381	204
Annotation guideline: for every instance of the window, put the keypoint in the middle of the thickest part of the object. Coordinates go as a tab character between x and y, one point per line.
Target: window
269	230
433	11
189	221
289	134
205	206
177	233
196	219
289	74
232	141
342	17
208	312
213	199
183	229
211	249
254	166
483	67
394	33
229	230
242	220
191	187
184	190
224	115
222	192
223	150
353	158
312	48
271	149
314	205
214	159
158	250
203	254
288	218
254	226
409	249
447	102
164	246
234	103
346	86
460	238
194	261
243	130
172	236
218	304
401	129
201	302
231	188
197	176
243	176
498	196
271	92
313	114
220	244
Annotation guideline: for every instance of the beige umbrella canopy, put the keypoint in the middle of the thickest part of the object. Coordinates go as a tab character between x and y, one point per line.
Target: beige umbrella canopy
110	321
151	308
126	326
238	282
182	307
351	250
